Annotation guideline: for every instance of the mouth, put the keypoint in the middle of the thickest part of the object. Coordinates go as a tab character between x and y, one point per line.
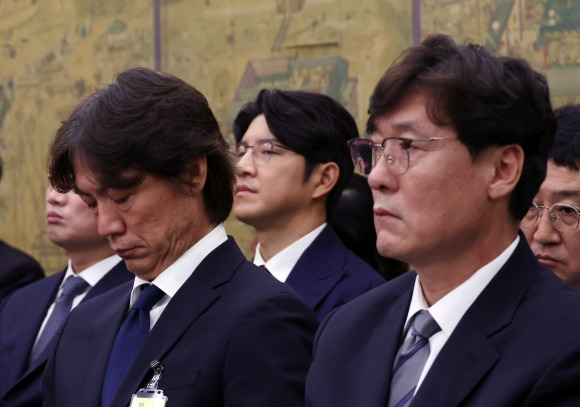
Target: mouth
546	260
53	217
125	253
383	213
243	190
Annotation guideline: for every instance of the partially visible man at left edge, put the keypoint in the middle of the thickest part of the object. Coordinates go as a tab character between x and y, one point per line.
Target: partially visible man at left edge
146	154
31	317
17	268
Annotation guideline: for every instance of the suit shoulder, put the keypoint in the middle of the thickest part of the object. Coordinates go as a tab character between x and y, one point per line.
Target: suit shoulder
372	305
28	292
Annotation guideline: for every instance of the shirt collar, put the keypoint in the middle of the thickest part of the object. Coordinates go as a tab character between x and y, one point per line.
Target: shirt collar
93	274
284	261
449	310
173	277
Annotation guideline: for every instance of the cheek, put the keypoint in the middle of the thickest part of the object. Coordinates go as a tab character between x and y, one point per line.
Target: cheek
529	234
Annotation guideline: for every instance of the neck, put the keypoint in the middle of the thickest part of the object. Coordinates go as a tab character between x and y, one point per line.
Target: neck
81	260
440	278
274	240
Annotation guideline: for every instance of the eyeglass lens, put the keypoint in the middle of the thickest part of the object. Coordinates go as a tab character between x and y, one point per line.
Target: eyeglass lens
366	154
564	217
261	151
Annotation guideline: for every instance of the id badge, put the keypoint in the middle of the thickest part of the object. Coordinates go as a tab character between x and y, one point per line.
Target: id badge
151	396
148	398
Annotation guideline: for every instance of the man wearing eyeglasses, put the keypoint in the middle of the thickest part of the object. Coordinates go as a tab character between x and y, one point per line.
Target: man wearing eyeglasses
293	165
551	224
459	142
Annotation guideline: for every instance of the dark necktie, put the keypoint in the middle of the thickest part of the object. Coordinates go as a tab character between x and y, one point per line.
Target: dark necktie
411	359
129	341
72	287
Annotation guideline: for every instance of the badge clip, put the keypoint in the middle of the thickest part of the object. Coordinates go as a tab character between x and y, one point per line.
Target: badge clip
151	396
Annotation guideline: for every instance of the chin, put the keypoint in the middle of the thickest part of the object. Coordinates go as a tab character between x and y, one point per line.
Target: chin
244	215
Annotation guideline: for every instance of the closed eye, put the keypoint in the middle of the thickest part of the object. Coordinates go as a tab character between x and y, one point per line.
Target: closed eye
121	201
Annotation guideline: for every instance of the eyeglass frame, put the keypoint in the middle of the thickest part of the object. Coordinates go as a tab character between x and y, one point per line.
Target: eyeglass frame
553	216
406	144
272	143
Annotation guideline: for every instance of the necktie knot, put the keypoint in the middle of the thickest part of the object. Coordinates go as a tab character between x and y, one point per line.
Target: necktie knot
73	286
424	325
150	295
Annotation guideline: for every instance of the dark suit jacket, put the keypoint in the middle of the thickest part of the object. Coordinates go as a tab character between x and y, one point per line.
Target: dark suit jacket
328	275
517	345
17	269
231	336
20	319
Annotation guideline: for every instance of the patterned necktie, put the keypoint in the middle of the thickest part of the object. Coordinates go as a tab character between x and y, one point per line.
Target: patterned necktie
411	359
72	287
129	341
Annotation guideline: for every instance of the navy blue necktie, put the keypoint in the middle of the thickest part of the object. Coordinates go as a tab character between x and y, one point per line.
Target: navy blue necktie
411	359
72	287
129	341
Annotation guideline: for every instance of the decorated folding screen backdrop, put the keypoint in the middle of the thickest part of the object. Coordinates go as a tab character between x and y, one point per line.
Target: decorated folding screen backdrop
55	52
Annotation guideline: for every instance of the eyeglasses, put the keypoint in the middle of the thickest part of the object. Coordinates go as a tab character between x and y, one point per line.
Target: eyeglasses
366	154
262	150
564	217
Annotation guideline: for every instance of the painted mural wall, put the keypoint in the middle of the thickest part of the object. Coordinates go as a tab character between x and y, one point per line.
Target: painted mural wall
53	53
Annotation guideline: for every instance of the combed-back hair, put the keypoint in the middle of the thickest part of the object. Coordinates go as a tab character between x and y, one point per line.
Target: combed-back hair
145	123
488	100
312	124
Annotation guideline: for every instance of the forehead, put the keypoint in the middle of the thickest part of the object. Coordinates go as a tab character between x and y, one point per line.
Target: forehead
86	184
560	182
409	118
258	130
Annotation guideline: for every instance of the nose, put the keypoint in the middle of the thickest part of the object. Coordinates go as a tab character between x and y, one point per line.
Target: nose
246	162
54	197
544	230
109	222
381	178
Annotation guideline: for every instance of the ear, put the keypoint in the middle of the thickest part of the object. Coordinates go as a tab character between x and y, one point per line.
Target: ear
508	162
196	174
324	177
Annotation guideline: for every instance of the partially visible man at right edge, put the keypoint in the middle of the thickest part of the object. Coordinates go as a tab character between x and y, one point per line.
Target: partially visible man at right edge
460	141
551	224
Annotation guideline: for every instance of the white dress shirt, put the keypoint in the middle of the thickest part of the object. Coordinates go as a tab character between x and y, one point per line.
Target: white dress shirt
281	265
449	310
173	277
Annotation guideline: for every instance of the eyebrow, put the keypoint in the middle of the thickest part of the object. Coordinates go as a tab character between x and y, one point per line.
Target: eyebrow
567	193
406	125
79	191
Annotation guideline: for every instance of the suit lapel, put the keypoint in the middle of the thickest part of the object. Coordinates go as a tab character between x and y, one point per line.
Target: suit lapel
469	353
113	278
43	295
381	350
107	322
319	268
463	362
196	296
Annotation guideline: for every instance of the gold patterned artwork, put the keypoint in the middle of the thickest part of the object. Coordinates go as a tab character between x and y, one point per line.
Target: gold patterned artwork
55	52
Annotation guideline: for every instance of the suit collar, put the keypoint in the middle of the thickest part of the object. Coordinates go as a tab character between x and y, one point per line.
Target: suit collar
197	295
43	293
116	276
469	353
319	268
382	348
